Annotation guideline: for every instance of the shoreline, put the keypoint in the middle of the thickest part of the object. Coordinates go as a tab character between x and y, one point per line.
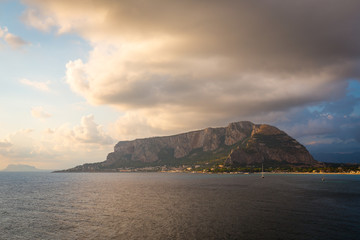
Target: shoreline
325	173
226	173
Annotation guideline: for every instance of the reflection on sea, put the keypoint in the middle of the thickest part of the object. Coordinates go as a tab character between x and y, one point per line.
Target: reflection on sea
178	206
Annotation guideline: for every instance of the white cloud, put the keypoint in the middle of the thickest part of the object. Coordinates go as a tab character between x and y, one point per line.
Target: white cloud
86	137
42	86
40	113
61	147
90	132
76	76
134	125
19	145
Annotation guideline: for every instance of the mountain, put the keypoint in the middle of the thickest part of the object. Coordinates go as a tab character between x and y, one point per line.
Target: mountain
21	168
240	143
269	144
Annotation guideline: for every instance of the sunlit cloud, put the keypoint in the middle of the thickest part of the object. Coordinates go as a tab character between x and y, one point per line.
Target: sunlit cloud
65	144
18	144
15	41
11	39
86	135
323	141
30	17
40	113
90	132
134	125
42	86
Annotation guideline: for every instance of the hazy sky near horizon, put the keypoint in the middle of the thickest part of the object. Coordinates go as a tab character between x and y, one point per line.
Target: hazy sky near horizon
78	76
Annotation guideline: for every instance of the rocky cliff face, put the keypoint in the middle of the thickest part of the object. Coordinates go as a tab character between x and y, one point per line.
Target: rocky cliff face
209	139
240	143
267	143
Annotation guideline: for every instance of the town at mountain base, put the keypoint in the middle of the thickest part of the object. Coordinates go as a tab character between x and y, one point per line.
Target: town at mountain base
239	144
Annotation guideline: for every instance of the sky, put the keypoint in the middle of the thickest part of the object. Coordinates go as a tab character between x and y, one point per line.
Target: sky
78	76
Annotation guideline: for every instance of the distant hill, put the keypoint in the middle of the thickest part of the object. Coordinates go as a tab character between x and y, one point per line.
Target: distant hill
21	168
238	144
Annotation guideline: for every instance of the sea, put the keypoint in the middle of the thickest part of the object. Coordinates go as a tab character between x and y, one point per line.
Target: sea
178	206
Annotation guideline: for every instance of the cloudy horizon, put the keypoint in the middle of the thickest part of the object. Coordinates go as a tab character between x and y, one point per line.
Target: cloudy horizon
78	76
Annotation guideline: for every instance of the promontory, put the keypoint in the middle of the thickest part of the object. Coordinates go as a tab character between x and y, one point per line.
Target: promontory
239	144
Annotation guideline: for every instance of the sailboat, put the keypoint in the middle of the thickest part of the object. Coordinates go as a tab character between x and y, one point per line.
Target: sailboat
262	170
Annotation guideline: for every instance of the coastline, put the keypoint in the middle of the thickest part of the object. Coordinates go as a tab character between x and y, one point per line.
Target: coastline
226	173
268	173
316	173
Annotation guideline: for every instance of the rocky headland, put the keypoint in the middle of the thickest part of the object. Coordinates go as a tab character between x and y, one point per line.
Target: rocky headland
238	144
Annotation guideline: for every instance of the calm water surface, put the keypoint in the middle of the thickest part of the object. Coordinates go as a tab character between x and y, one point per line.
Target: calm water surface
178	206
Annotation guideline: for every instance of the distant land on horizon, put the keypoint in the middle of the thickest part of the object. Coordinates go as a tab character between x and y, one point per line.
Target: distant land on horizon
22	168
239	144
353	157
